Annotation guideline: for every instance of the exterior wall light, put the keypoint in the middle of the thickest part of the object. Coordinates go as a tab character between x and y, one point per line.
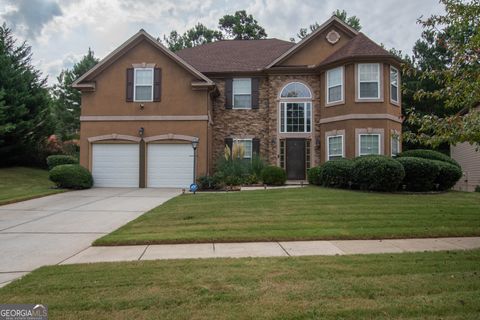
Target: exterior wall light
141	131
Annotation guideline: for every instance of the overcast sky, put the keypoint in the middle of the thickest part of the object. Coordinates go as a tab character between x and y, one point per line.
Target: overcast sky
60	31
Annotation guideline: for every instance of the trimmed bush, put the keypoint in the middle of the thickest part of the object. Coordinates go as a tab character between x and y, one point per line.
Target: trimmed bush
377	173
313	175
209	182
447	176
428	154
420	174
477	188
71	176
56	160
274	176
337	173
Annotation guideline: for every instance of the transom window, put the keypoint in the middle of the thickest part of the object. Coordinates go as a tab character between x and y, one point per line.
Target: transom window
247	147
395	144
242	93
335	85
296	90
143	84
369	81
394	84
295	117
335	147
369	144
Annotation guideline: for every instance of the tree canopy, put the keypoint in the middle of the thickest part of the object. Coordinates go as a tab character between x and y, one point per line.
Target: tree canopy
352	21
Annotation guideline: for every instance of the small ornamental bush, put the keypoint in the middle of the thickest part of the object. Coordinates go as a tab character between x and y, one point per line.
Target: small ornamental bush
313	175
71	176
337	173
420	174
448	175
274	176
209	182
377	173
477	188
428	154
55	160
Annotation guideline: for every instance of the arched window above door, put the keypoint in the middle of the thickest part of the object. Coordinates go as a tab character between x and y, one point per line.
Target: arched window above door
296	90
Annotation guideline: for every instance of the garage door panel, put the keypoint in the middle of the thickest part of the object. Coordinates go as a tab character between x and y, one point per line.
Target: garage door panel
115	165
169	165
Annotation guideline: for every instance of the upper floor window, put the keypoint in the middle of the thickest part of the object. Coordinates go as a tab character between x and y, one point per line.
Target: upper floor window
335	147
296	90
369	144
369	81
143	84
394	92
335	85
246	145
295	117
242	93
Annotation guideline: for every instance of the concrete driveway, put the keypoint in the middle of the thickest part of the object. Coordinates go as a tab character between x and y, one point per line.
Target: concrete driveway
49	230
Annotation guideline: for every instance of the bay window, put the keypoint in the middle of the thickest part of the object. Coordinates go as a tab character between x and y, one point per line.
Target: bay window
368	81
335	85
394	92
369	144
335	147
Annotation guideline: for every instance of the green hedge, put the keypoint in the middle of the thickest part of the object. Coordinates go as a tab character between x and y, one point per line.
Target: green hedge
448	175
420	174
337	173
274	176
428	154
377	173
71	176
313	175
56	160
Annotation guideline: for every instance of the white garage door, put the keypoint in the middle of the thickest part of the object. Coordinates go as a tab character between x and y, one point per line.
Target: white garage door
115	165
169	165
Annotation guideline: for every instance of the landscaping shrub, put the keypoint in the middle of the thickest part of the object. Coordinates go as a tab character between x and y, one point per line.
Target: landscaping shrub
313	175
56	160
209	182
447	176
377	173
238	171
477	188
420	174
274	176
428	154
71	176
337	173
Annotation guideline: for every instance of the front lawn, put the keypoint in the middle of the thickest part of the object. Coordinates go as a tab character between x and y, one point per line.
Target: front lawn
19	183
440	285
302	214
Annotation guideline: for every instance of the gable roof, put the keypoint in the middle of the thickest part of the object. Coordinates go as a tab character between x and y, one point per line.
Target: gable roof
82	81
359	46
234	55
313	35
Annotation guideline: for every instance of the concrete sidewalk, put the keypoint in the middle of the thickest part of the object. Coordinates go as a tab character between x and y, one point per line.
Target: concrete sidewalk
269	249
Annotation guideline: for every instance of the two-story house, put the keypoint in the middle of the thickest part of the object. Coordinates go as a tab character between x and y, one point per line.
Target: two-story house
154	118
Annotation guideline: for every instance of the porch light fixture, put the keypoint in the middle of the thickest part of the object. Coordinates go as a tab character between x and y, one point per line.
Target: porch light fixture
141	131
195	144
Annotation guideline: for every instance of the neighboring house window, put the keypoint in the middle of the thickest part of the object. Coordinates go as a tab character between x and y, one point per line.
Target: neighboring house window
242	93
335	147
335	85
394	84
395	144
143	84
369	144
369	81
247	147
296	108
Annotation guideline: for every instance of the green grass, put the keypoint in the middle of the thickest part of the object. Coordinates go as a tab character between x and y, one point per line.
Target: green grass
19	183
439	285
302	214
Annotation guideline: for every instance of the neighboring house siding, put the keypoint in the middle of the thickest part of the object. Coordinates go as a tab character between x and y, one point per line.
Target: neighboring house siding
469	158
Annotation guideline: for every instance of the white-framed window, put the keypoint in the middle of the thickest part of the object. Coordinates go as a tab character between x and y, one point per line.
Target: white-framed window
369	144
143	84
395	144
368	80
242	93
335	85
394	85
247	147
335	147
295	117
295	90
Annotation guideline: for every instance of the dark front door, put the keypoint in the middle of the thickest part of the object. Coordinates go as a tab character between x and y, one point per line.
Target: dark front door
295	159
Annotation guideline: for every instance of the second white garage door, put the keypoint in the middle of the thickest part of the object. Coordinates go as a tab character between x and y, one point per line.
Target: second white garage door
169	165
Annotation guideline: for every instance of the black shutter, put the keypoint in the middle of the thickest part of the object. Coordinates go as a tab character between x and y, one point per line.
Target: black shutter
157	84
228	93
129	96
229	143
256	147
255	94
